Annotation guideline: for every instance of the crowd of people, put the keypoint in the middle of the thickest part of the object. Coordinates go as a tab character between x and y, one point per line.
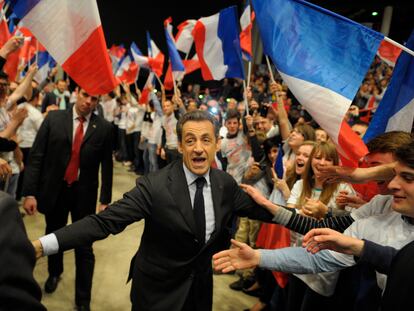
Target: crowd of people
55	137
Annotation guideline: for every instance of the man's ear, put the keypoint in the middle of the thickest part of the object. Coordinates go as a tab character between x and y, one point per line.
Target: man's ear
218	144
180	148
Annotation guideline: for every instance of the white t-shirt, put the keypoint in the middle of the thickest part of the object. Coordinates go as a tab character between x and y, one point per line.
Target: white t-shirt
30	126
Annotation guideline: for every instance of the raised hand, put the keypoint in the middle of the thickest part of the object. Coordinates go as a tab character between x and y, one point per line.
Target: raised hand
325	238
241	256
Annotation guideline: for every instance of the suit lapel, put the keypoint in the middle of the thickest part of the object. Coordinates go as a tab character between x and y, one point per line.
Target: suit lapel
177	185
216	194
92	127
69	125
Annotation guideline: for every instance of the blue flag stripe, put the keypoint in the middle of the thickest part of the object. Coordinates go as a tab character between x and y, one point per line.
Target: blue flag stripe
22	7
399	93
314	46
229	35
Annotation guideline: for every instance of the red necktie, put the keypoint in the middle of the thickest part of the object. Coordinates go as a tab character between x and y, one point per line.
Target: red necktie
71	173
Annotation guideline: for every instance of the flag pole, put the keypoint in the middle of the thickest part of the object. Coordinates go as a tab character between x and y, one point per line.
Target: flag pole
270	68
37	50
245	97
158	79
249	72
402	47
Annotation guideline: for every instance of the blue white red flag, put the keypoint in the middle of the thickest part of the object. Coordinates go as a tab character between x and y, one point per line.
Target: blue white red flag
246	23
395	112
72	33
127	70
217	45
177	65
323	58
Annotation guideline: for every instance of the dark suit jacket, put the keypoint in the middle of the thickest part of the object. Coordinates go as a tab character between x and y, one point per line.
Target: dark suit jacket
18	288
170	258
51	99
50	156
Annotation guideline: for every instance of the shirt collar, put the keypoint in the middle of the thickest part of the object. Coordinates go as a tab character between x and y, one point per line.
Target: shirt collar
191	177
76	116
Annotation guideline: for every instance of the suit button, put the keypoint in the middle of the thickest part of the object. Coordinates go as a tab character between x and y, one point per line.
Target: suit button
195	240
191	277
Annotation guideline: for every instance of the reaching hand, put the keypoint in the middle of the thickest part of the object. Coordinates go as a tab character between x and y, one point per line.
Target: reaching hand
333	174
314	208
5	169
255	194
241	256
344	199
38	248
324	238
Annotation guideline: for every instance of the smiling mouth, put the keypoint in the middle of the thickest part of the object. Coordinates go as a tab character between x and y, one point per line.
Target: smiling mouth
300	164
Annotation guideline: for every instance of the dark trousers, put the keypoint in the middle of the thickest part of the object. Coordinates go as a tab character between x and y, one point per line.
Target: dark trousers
68	201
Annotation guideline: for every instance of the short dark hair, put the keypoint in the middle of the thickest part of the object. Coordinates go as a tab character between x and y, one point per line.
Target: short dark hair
232	114
405	154
389	142
198	116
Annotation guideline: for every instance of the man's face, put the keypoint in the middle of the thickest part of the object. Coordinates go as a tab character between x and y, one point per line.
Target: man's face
378	158
167	108
198	146
61	86
263	124
232	126
85	103
192	105
402	189
321	135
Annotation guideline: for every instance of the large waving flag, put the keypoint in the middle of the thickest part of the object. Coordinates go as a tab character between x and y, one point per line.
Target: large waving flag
323	58
396	109
184	39
246	23
71	31
217	45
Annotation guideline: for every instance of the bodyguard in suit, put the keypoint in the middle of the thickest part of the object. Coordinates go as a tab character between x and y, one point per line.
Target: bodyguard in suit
188	209
62	177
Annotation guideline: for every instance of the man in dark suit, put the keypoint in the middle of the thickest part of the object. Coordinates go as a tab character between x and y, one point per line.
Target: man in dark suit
18	288
57	97
188	209
62	177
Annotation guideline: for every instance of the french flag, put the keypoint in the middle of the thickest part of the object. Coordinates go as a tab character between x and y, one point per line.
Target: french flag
395	112
127	70
190	65
217	45
143	100
184	39
155	56
116	52
246	23
177	65
72	33
323	58
138	57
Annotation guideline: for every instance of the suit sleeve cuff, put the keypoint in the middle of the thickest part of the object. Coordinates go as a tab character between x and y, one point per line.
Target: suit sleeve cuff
50	244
